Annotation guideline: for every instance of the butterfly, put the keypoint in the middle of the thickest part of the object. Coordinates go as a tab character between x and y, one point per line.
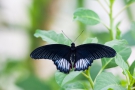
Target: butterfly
73	57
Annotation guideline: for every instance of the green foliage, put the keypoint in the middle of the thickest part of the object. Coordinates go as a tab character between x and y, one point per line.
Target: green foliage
51	37
74	86
132	68
90	40
103	80
121	48
118	32
62	78
107	81
32	83
86	16
120	62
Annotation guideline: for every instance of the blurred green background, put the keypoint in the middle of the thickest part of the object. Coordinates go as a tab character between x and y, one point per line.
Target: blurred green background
19	20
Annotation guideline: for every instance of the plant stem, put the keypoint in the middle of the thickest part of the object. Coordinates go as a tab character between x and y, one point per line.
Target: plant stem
110	16
87	75
111	21
128	81
103	68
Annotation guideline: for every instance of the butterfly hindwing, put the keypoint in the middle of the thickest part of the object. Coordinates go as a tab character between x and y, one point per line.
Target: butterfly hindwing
58	53
81	62
86	53
81	56
63	65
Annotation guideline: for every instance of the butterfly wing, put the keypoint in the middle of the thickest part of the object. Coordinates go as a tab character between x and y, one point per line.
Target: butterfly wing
86	53
58	53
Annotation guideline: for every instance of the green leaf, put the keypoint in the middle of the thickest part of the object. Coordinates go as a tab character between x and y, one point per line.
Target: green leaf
86	16
120	62
52	37
62	78
74	86
59	76
107	81
108	63
132	68
91	40
121	48
116	42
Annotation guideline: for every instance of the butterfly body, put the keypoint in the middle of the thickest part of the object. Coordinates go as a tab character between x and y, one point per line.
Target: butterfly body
73	51
73	57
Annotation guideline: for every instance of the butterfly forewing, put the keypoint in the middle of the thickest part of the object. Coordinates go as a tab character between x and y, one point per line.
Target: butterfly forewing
81	56
86	53
60	54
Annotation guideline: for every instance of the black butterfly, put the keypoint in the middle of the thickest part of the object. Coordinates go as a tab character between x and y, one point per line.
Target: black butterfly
79	57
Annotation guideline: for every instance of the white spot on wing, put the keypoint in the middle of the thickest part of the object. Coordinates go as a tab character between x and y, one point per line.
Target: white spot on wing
63	65
82	64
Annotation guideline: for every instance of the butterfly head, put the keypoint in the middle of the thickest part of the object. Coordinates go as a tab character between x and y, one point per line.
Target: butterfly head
72	46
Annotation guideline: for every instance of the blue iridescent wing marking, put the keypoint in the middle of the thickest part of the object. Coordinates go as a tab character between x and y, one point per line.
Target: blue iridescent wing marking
86	53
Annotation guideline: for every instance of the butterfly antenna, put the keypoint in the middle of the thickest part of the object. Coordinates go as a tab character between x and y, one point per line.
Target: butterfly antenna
66	35
78	36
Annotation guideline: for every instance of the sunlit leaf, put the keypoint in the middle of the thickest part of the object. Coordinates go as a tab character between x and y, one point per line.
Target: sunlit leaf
107	81
86	16
62	78
52	37
90	40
